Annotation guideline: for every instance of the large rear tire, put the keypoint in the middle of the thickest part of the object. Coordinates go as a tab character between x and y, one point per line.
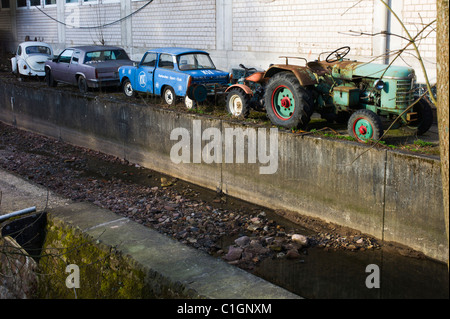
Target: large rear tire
287	103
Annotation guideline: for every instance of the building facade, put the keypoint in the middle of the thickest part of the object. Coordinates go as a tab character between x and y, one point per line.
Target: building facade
252	32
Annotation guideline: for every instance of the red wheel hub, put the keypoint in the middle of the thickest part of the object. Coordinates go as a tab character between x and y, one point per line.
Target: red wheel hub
286	102
362	130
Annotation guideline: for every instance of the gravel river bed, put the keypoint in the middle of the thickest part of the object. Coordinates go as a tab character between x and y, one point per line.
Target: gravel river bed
306	256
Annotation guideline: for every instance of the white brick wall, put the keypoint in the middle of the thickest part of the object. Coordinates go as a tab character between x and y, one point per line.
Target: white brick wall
259	30
90	15
300	27
185	23
33	23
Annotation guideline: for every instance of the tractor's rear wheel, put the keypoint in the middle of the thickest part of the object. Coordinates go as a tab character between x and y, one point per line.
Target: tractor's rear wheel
287	103
365	125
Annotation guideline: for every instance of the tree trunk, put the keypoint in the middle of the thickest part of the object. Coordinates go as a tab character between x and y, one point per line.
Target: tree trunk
442	48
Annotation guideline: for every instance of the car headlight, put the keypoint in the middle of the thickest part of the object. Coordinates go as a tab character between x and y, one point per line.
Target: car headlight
379	84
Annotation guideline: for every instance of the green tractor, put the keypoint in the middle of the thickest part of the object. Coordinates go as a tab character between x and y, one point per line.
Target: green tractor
339	90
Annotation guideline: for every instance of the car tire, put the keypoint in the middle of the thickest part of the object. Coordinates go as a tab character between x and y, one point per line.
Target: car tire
127	88
238	103
287	103
82	84
49	78
169	95
365	125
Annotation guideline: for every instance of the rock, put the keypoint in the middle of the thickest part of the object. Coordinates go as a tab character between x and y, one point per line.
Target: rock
292	254
257	248
242	241
300	239
234	253
275	247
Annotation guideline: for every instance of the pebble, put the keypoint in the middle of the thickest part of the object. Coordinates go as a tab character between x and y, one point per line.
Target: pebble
234	253
242	241
301	239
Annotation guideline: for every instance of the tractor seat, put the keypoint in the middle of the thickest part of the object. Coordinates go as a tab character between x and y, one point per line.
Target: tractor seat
318	68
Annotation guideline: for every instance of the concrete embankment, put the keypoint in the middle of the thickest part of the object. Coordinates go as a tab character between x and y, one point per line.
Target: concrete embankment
116	257
389	195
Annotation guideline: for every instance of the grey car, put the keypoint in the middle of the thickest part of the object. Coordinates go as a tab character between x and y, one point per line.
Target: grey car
87	67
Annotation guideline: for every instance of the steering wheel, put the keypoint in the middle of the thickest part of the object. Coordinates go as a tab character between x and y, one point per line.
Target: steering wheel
338	54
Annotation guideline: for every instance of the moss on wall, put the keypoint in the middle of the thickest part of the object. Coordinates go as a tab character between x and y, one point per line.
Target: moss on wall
104	272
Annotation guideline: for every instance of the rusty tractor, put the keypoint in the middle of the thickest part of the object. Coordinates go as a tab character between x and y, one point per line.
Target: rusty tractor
339	89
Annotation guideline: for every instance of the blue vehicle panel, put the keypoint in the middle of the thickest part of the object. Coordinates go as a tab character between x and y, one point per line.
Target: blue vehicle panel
174	72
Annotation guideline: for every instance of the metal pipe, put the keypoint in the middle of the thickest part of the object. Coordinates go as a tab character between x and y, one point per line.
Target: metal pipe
17	213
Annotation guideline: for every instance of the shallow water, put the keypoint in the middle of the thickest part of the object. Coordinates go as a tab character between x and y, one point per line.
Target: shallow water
342	275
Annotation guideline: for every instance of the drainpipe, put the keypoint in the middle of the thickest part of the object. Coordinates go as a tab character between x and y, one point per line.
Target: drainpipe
17	213
385	17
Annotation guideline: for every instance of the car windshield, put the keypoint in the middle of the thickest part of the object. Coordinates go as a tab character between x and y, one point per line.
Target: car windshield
38	49
195	61
105	55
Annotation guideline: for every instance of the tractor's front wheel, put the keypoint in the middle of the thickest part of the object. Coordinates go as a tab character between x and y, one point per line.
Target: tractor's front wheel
238	103
424	117
365	125
287	103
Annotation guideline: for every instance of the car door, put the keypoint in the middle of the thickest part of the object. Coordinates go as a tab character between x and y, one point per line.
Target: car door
74	67
145	73
60	69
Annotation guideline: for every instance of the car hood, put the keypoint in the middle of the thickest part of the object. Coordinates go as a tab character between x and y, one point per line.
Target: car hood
377	70
208	76
37	61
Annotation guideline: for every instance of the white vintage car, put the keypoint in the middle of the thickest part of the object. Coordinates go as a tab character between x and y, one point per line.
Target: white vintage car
30	58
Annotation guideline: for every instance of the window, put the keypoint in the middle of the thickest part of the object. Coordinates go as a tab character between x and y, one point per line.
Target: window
71	1
166	61
105	55
195	61
38	49
49	2
21	3
65	56
5	4
150	59
76	57
35	3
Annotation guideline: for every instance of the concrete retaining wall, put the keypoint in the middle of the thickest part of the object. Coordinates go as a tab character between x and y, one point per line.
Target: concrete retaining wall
392	196
117	258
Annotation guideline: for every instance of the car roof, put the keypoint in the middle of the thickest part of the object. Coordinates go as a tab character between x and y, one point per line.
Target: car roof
34	43
177	50
95	48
